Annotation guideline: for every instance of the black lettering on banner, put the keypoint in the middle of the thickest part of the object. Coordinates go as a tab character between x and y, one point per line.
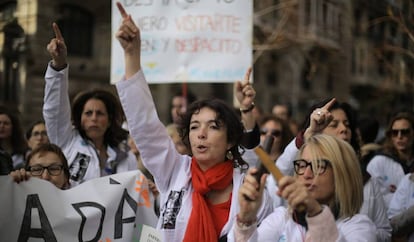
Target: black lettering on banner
119	221
26	231
78	207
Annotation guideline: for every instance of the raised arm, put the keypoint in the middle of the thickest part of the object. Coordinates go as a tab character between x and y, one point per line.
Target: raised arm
245	94
56	108
319	119
128	36
157	150
57	49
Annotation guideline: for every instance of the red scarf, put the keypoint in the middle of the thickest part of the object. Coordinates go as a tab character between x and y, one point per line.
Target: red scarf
200	226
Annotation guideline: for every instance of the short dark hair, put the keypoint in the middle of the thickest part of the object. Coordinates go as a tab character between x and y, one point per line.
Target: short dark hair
50	148
31	126
226	115
287	135
189	96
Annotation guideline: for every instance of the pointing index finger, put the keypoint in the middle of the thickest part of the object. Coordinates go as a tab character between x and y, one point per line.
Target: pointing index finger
247	76
121	9
329	104
58	34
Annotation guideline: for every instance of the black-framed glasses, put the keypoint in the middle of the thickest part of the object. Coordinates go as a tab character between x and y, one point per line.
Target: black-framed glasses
273	132
39	133
53	170
402	132
301	165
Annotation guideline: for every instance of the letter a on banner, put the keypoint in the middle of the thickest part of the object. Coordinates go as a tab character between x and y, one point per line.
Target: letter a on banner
26	231
119	220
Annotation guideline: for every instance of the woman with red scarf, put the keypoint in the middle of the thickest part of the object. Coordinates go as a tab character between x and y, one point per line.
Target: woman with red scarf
198	192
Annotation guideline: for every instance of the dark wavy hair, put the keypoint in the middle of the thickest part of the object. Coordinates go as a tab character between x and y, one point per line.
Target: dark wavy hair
115	134
225	116
351	114
17	138
42	149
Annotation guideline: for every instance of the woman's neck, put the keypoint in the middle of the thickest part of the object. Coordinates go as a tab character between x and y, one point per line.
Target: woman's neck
101	149
220	196
99	144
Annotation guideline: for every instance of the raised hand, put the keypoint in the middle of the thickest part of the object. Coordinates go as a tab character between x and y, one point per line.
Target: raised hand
250	195
319	119
57	49
244	91
128	36
297	195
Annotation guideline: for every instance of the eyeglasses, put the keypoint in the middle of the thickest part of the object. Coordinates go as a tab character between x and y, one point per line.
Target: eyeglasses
53	170
301	165
273	132
402	132
41	133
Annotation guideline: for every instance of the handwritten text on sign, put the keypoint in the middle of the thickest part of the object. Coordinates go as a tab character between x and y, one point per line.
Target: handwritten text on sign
188	40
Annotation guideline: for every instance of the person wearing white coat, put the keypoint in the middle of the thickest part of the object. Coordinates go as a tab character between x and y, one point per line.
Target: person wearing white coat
375	208
204	184
95	143
397	156
388	172
324	199
338	121
401	210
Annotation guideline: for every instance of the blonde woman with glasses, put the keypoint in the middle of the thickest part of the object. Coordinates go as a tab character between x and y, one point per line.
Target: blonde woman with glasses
324	197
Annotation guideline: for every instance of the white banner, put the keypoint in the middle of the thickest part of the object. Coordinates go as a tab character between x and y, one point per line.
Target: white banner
112	208
188	40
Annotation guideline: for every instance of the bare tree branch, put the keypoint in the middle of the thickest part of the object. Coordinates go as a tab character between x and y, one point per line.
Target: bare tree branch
399	50
398	20
282	5
278	31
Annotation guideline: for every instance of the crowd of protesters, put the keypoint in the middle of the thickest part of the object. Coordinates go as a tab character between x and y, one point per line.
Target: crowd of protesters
342	181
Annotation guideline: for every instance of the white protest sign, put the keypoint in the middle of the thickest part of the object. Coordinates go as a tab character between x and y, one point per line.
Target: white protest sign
112	208
188	40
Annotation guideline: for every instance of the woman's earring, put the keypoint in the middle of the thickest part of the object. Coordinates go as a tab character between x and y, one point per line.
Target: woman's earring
229	155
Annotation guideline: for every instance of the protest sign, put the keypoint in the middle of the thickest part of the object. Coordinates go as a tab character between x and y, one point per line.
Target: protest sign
119	207
188	40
